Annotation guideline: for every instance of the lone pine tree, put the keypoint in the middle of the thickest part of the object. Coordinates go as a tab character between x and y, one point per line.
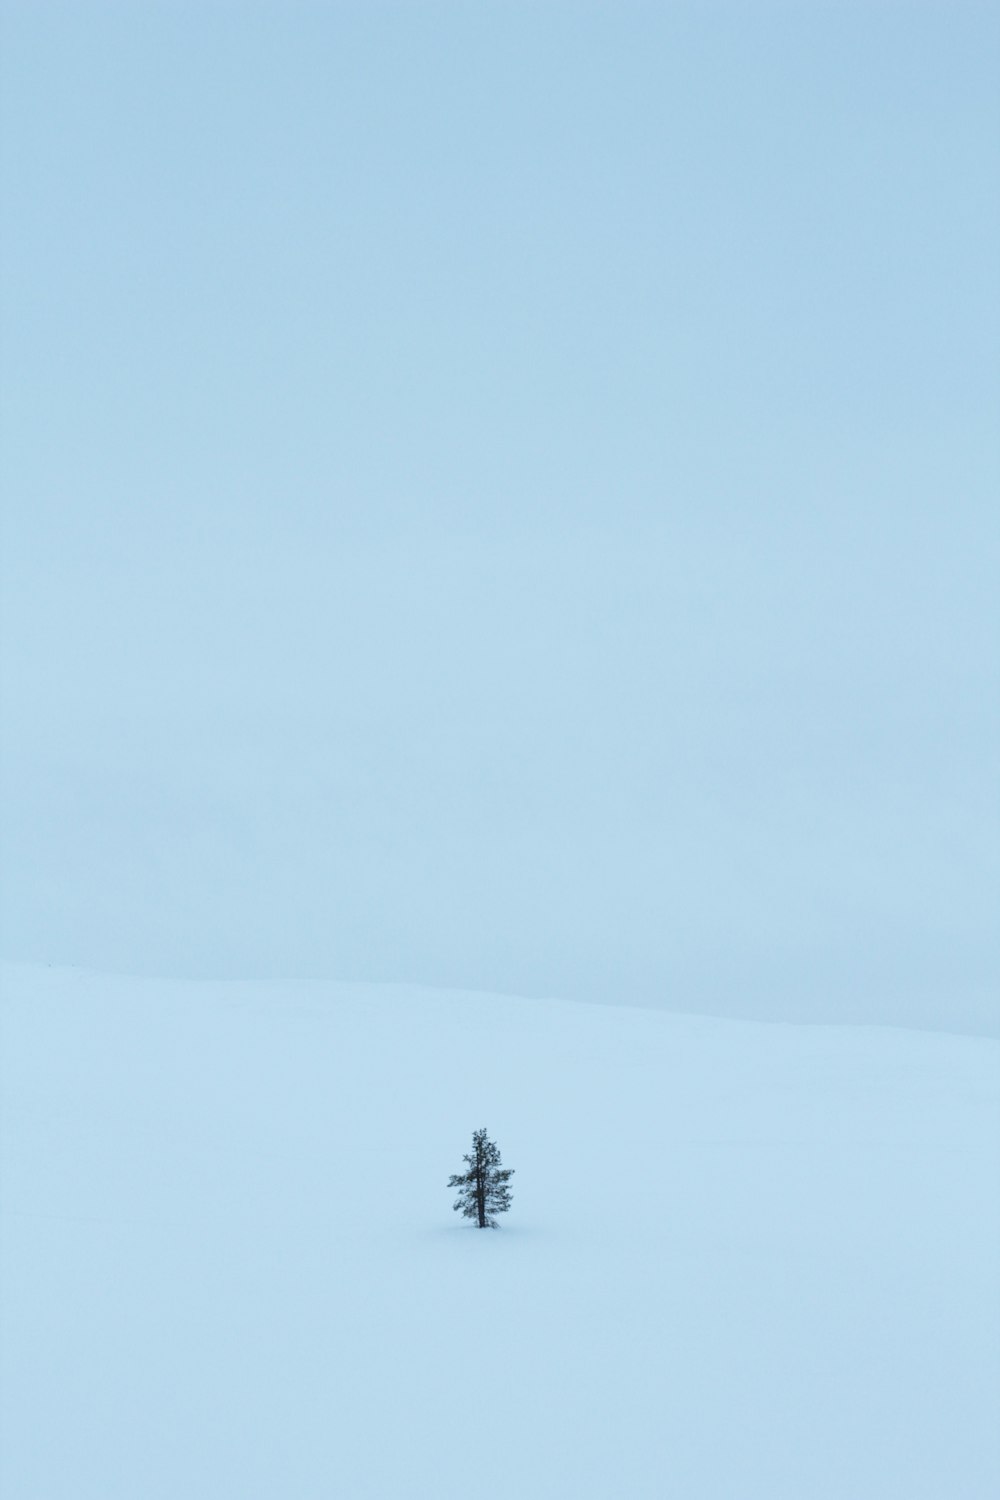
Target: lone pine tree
482	1190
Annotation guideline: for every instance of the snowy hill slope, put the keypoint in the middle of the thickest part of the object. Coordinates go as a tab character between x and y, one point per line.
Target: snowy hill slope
742	1260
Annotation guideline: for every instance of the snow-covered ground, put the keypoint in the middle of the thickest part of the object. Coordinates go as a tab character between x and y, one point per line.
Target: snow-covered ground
742	1261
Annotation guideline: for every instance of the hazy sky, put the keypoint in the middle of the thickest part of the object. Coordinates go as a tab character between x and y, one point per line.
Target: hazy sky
505	495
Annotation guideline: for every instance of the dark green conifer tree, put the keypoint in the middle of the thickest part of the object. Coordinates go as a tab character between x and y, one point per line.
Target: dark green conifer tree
483	1189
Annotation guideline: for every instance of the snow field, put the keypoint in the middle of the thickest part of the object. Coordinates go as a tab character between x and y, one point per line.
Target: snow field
742	1260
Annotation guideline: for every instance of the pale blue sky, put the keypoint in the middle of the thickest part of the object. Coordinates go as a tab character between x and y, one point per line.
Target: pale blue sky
506	496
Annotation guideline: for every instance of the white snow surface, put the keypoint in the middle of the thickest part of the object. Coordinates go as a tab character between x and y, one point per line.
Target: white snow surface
742	1261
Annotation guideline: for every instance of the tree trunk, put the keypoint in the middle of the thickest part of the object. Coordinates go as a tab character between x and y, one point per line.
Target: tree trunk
481	1188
